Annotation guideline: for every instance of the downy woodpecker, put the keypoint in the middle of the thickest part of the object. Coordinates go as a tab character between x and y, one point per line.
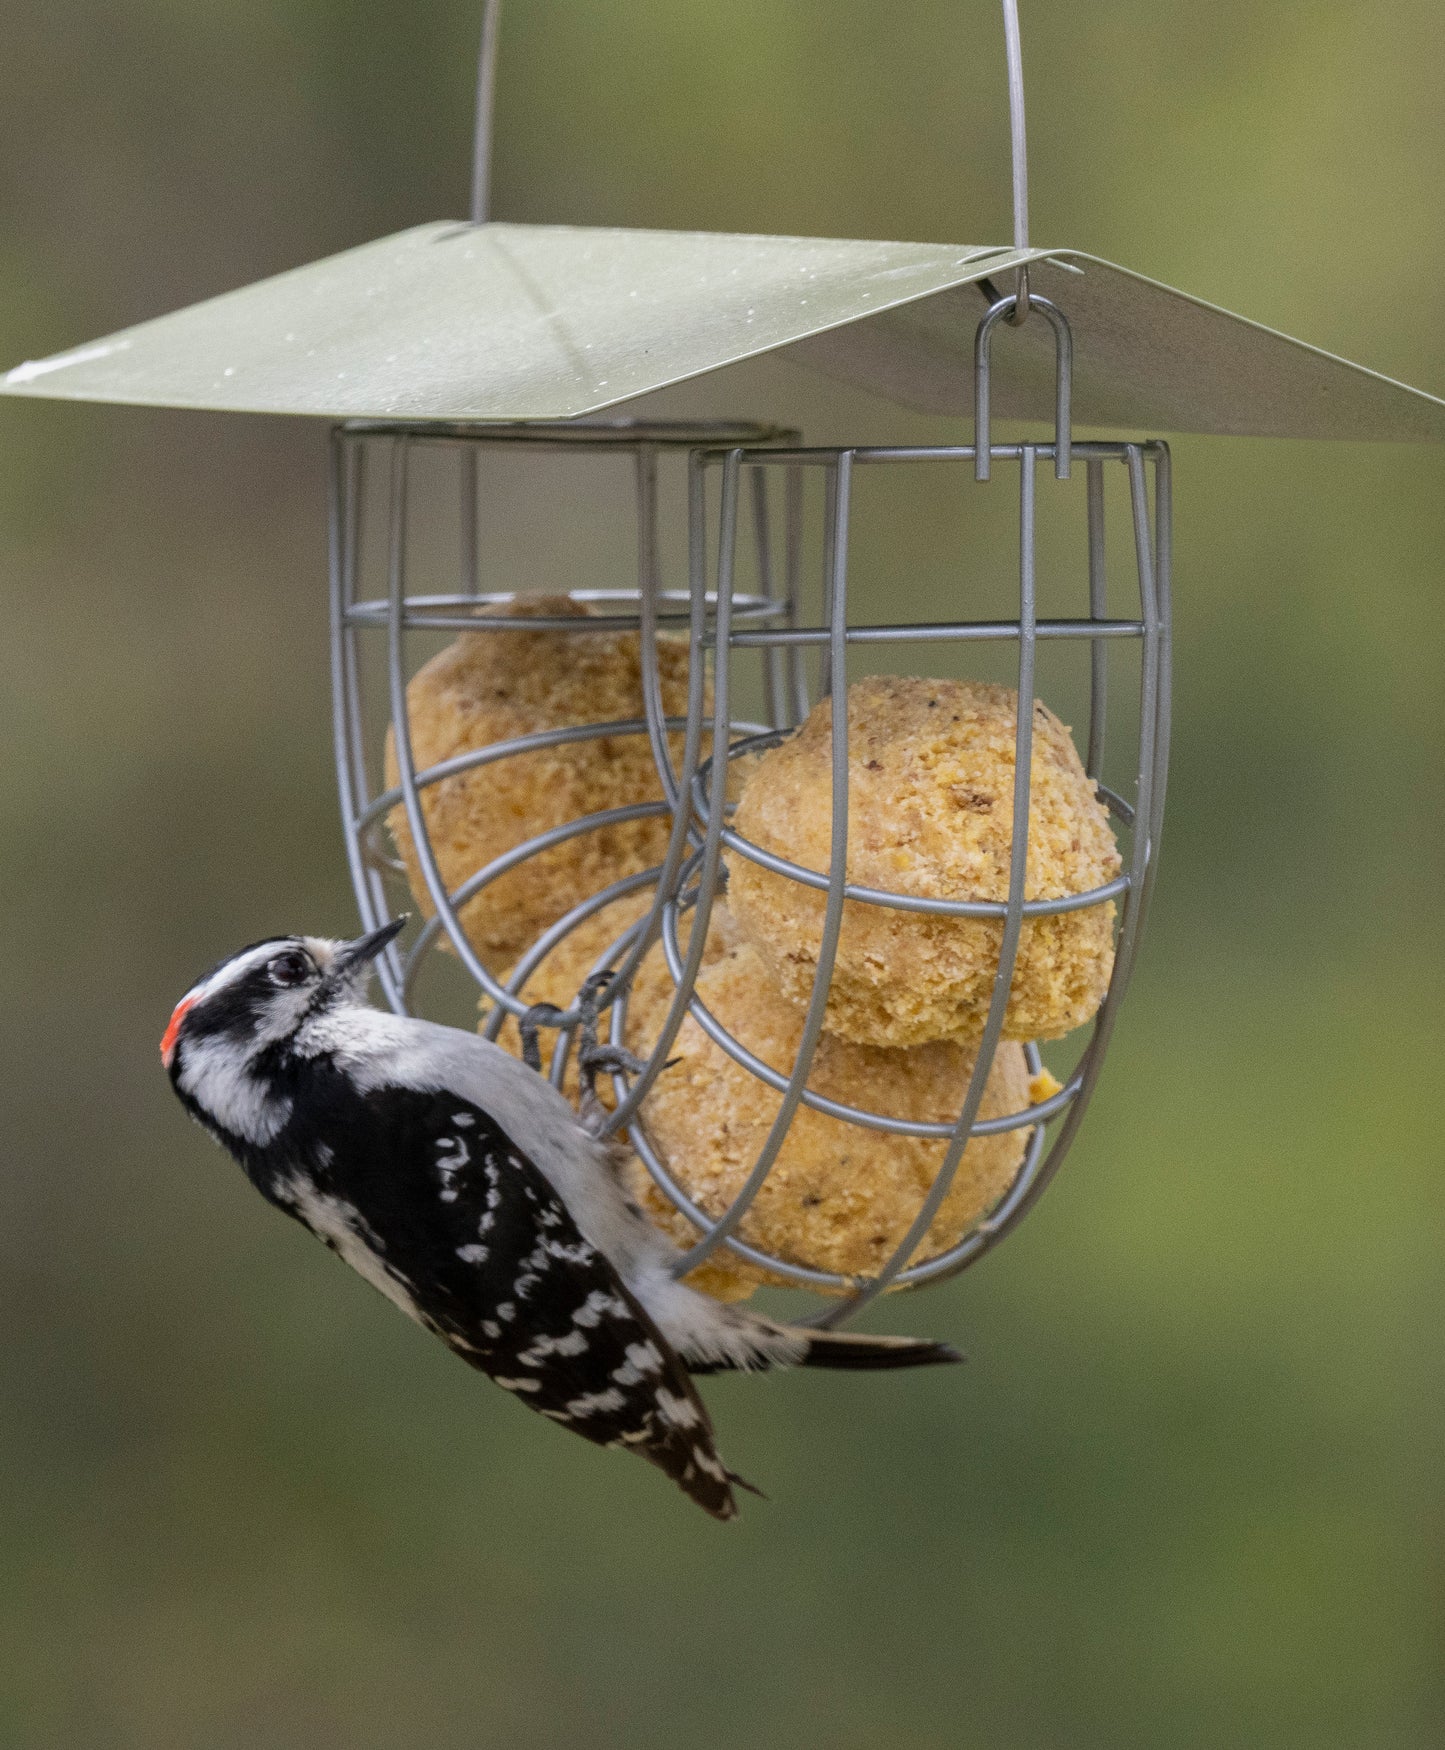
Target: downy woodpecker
462	1185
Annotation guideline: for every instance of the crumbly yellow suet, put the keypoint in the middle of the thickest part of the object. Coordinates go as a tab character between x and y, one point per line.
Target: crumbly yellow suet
839	1196
931	774
489	686
1043	1087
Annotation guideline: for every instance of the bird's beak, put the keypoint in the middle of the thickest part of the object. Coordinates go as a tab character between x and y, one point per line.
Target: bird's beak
365	949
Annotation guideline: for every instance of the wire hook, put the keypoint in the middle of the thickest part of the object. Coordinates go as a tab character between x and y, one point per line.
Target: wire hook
1063	385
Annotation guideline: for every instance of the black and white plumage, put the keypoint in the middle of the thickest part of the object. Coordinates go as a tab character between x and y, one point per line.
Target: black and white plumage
461	1184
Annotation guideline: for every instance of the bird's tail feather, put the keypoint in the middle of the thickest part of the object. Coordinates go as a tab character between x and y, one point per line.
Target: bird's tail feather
803	1346
851	1349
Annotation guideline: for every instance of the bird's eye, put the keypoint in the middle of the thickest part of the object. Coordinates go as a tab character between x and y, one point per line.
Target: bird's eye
292	967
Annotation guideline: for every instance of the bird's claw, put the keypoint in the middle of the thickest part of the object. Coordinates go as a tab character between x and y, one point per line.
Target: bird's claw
538	1016
598	1060
593	1057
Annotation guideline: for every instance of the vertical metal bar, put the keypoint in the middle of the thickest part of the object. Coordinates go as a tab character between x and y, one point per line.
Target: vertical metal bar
1013	920
347	480
763	543
1098	603
649	581
1063	388
982	397
358	451
470	462
486	103
837	605
347	777
711	853
1163	585
1140	860
677	789
830	559
793	572
401	723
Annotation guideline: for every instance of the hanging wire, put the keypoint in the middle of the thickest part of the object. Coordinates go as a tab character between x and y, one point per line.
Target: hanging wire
482	128
1018	145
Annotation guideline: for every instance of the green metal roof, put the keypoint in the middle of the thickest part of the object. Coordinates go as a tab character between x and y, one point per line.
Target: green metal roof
520	322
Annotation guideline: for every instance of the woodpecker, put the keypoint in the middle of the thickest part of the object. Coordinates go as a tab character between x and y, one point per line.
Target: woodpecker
463	1186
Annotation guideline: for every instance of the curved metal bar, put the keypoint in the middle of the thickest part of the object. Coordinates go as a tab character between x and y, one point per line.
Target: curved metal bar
802	1274
947	908
674	786
619	945
763	547
564	926
1150	776
401	725
1116	804
428	613
1098	606
378	857
799	704
940	632
1163	586
1013	923
445	917
976	1242
735	1049
941	1265
1018	151
958	908
501	750
760	740
1063	387
880	455
812	1031
649	589
711	852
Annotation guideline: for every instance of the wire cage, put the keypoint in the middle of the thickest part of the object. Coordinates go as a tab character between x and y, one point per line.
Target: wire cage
749	508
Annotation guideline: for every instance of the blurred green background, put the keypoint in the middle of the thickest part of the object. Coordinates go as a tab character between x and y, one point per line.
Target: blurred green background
1187	1491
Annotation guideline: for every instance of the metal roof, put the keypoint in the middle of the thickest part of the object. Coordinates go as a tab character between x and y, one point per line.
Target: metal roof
503	322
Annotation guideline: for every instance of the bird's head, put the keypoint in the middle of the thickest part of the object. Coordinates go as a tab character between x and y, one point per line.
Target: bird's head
246	1011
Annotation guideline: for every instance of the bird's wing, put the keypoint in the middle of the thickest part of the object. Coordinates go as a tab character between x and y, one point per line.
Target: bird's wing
496	1266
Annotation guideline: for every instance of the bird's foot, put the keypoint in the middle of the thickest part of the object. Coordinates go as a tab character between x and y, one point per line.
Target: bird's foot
538	1016
593	1057
598	1060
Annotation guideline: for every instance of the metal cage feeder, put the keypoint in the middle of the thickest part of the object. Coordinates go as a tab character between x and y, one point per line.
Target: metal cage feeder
496	337
764	472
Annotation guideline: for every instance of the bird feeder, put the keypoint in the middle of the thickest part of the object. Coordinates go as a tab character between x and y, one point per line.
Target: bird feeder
464	341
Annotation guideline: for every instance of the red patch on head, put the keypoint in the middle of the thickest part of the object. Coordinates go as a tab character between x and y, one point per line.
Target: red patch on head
172	1032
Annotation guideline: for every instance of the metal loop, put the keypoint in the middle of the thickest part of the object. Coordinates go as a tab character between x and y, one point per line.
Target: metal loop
1063	384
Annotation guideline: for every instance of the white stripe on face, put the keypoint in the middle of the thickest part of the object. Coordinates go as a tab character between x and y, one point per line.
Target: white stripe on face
232	971
321	949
